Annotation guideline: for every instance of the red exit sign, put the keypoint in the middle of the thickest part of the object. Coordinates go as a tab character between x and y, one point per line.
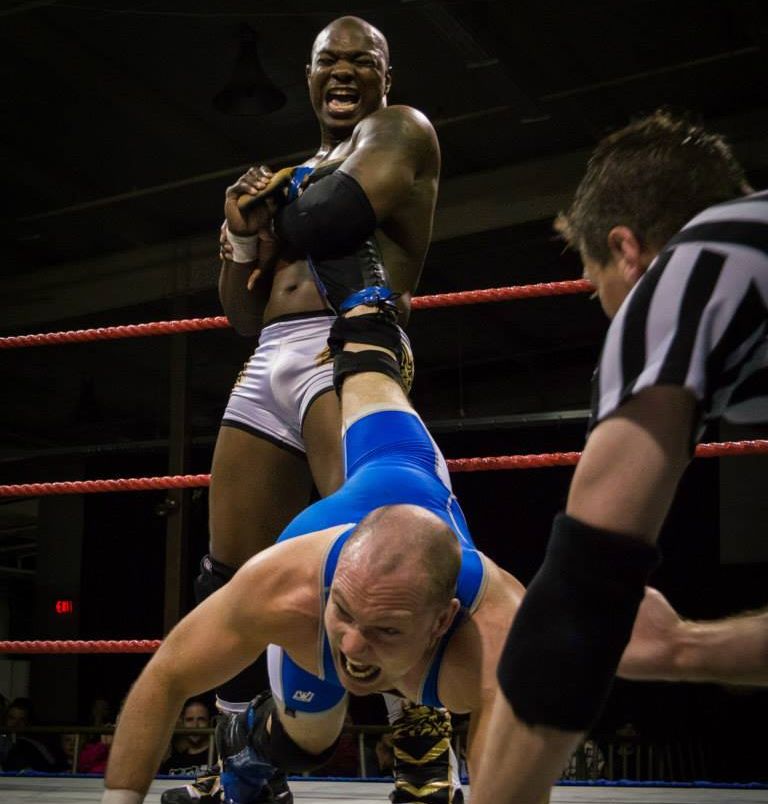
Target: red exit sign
64	607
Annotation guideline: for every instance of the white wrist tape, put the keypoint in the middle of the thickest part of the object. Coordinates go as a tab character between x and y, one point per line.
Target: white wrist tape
245	248
121	796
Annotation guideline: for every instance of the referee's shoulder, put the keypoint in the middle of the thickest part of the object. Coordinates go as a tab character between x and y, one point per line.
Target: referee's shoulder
753	206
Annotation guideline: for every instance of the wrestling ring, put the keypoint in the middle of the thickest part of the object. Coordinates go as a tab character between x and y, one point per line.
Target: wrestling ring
88	791
15	789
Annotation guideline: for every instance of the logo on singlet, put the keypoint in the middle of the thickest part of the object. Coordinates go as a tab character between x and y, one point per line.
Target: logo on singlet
304	696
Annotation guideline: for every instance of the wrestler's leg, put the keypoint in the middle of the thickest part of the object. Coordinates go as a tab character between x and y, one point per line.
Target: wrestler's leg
314	733
322	439
256	488
378	417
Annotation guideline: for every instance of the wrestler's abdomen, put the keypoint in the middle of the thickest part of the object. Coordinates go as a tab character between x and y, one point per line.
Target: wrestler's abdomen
293	291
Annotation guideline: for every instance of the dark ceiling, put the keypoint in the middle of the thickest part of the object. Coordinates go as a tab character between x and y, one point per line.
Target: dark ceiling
110	141
114	161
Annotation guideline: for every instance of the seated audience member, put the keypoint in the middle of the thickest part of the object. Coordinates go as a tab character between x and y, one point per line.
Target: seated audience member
94	755
64	751
95	752
25	752
190	754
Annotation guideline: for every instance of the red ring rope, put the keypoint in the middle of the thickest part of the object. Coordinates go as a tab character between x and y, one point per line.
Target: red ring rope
221	322
501	462
95	486
81	646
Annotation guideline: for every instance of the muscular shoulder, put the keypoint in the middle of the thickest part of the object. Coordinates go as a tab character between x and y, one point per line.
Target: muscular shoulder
468	674
283	581
401	126
504	591
405	116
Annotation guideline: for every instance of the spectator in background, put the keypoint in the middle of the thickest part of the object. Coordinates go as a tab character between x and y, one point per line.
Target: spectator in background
94	754
189	753
587	763
101	711
66	751
25	752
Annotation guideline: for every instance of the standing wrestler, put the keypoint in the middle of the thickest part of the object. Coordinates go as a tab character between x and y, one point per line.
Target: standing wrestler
371	191
677	248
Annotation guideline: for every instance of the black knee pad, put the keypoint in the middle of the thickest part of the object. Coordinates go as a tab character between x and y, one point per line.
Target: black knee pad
576	618
348	363
377	328
213	575
256	736
289	756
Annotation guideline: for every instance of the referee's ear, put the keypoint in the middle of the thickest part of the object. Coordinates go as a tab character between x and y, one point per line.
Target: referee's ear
629	256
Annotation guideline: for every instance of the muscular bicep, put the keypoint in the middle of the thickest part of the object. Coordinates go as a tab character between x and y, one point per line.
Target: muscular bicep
632	462
392	149
227	619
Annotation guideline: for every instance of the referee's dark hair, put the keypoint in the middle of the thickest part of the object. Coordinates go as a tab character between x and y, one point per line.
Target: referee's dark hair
652	176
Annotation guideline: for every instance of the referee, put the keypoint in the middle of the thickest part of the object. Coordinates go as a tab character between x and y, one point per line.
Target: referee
676	244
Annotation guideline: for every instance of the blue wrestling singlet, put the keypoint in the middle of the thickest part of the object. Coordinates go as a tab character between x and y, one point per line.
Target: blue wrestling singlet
391	459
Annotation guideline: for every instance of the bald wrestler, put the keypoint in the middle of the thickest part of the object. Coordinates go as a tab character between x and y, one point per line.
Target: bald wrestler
376	587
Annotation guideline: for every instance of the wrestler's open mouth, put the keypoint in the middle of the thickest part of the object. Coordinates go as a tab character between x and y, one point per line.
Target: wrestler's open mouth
341	101
359	672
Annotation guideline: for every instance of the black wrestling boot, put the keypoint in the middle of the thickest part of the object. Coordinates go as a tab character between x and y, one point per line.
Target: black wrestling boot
207	790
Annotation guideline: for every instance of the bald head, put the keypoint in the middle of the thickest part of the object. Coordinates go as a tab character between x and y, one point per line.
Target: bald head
409	541
349	25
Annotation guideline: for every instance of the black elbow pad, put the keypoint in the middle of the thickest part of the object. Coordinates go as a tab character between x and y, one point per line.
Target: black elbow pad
331	218
566	641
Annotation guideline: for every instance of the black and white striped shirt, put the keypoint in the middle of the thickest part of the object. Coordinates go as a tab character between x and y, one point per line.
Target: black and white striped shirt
697	319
